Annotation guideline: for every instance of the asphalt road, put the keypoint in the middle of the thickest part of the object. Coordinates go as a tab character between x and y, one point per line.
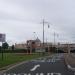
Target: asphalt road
51	65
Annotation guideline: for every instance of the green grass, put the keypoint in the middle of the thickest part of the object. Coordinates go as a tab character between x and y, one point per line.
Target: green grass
11	58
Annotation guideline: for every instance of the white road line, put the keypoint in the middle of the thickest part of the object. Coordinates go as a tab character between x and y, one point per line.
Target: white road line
69	66
35	67
55	74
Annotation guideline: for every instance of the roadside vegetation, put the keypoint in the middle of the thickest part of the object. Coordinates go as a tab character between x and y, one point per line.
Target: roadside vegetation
11	58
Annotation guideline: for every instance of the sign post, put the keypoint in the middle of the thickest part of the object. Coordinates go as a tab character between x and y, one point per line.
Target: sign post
2	53
2	39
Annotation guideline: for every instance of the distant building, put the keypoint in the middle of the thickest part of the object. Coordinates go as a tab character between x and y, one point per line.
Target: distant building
33	44
21	46
66	46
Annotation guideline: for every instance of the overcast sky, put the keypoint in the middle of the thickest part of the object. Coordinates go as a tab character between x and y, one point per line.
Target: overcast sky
20	18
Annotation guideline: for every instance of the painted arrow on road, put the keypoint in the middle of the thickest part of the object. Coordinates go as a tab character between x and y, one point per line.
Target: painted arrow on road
35	67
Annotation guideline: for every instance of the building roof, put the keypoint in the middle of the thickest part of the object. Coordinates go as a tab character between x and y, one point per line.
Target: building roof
37	40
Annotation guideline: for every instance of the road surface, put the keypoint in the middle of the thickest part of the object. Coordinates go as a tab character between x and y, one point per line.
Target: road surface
51	65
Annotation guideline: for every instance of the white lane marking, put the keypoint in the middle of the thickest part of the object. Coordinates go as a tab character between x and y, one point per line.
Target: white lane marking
35	67
69	66
55	74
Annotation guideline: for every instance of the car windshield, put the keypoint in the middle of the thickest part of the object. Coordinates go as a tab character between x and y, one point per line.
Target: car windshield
37	37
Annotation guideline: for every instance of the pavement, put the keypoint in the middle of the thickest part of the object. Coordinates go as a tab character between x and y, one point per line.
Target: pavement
51	65
70	61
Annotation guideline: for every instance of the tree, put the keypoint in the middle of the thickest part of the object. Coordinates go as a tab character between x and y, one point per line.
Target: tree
5	45
12	47
0	48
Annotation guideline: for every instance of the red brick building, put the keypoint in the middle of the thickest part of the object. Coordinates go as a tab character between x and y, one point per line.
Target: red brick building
33	44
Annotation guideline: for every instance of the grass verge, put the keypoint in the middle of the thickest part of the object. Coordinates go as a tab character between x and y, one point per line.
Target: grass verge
11	58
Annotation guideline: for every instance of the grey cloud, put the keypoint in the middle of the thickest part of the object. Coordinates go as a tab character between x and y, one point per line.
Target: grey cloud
20	18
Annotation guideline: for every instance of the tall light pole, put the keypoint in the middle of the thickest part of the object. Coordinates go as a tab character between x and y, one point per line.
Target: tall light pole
34	35
55	35
68	48
44	22
43	33
55	39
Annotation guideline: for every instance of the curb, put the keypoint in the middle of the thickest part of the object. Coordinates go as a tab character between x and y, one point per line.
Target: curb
4	69
69	66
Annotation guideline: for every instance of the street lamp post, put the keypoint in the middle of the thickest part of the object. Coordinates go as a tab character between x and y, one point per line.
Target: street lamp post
55	40
34	35
68	48
43	33
43	30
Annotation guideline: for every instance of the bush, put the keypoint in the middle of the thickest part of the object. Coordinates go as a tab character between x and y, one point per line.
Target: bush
15	51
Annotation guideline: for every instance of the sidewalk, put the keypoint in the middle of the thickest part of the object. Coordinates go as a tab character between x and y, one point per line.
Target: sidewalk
70	61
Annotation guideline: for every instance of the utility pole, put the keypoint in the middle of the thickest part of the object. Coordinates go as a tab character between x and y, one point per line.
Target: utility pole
2	52
44	22
55	35
34	35
30	47
54	39
68	48
55	43
43	33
